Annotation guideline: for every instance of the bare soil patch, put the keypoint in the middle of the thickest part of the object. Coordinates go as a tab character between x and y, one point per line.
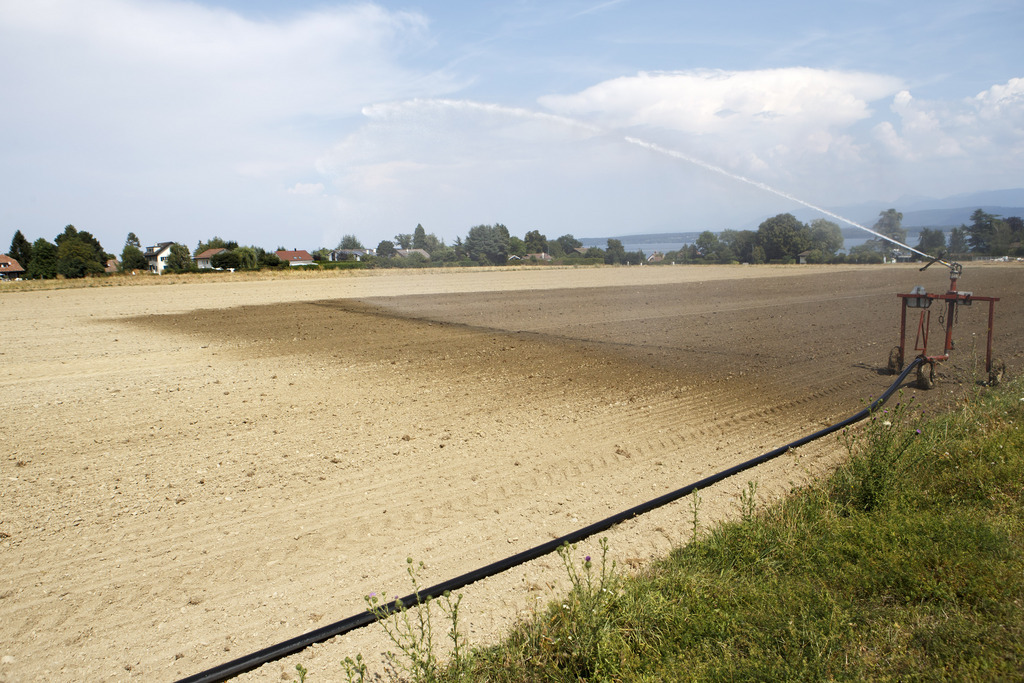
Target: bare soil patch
198	471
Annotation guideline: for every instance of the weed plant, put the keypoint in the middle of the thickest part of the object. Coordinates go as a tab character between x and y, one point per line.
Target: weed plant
906	564
411	630
880	458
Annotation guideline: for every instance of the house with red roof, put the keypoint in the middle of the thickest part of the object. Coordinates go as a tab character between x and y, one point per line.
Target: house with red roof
9	268
203	259
299	257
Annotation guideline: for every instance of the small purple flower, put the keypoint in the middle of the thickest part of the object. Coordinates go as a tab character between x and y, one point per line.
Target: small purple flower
918	431
587	558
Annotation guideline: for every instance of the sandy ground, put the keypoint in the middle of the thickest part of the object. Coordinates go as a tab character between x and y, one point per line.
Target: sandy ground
198	471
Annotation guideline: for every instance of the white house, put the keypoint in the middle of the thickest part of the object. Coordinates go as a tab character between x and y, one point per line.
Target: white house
157	257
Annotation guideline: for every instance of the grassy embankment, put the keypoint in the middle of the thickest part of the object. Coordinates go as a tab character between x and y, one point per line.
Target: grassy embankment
906	564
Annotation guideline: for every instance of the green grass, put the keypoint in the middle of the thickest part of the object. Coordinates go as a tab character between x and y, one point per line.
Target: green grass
906	564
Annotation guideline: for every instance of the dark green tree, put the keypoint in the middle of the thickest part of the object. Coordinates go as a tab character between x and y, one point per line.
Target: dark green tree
180	259
214	243
419	238
568	244
741	243
248	258
826	237
958	240
635	258
44	260
268	259
890	224
441	253
615	253
516	247
226	260
133	258
403	240
488	244
79	254
1016	226
1002	236
76	258
432	244
72	234
536	243
133	241
931	241
707	244
982	231
21	250
350	242
783	237
386	249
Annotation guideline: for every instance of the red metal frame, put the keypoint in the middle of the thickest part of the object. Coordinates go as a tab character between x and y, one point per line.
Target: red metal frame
952	298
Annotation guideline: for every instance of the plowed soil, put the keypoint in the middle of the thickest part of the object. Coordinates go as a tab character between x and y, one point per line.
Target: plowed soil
198	471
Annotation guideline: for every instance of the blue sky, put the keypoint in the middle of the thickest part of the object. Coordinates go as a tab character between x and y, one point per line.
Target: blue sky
295	123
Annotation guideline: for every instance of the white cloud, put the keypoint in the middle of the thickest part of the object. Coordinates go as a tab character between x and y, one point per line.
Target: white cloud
1002	101
976	137
751	121
716	101
213	63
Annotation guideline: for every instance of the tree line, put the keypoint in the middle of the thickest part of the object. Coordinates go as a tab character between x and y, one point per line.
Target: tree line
779	239
72	254
987	235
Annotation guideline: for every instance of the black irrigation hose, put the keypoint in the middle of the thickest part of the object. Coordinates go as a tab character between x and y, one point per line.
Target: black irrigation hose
288	647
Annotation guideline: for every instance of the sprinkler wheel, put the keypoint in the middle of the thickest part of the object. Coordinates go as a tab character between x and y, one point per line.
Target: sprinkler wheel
995	375
895	361
925	376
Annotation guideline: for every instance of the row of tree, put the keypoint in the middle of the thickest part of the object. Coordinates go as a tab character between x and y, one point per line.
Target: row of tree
484	244
987	235
235	257
783	238
780	239
72	254
488	245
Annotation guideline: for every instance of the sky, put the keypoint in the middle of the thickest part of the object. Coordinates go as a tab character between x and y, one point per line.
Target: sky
292	124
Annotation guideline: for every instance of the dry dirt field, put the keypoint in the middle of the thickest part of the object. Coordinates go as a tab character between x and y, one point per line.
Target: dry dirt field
192	472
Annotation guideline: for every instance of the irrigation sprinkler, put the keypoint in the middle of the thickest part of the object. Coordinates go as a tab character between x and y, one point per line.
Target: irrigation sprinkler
949	306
